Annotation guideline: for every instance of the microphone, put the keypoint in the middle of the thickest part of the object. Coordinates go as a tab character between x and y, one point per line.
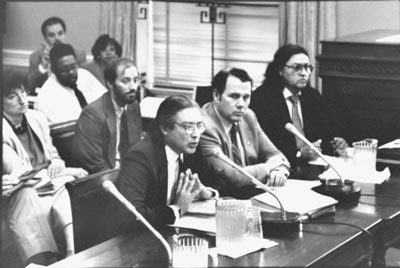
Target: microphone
292	129
272	223
344	191
110	187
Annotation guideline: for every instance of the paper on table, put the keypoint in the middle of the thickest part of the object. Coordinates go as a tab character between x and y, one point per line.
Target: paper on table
353	174
34	265
200	222
348	171
202	207
391	145
244	249
389	39
306	202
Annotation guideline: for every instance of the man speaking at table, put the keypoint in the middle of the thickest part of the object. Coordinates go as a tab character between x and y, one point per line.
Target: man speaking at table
233	129
150	176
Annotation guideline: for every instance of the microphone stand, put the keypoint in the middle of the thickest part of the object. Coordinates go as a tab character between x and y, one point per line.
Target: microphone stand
218	154
110	187
344	192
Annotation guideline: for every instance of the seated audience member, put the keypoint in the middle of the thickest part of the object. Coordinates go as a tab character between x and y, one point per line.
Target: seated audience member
233	129
27	145
54	31
286	96
68	89
104	50
108	126
150	176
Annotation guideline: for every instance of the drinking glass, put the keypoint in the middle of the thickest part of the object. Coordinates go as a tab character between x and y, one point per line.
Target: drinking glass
364	155
189	251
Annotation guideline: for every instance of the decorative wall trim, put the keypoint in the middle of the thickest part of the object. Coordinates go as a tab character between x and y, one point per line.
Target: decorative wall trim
20	58
16	57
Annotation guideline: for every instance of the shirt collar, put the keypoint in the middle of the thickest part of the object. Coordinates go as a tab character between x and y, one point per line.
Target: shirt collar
118	109
225	124
172	156
287	93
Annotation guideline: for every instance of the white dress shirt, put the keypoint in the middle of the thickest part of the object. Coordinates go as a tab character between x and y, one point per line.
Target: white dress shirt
60	104
118	113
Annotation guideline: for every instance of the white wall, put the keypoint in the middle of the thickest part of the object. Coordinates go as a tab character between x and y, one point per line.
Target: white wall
24	20
361	16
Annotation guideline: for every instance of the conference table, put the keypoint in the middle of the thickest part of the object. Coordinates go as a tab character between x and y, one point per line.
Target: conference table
322	241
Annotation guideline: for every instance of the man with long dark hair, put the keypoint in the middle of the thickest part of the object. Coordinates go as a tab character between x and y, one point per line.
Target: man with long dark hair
286	96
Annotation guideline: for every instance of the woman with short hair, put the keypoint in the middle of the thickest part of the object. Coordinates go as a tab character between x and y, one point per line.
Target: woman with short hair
104	50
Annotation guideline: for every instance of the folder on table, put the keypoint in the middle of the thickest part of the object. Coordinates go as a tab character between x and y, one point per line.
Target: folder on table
296	197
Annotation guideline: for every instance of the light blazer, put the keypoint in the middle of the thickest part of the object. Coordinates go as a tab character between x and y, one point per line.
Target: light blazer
96	133
260	153
15	158
36	78
270	107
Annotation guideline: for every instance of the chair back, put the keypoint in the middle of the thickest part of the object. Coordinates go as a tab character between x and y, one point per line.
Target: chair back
88	203
203	94
63	138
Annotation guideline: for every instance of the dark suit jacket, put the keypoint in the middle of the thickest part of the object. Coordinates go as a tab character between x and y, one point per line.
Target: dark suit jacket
95	133
143	179
272	113
258	151
36	78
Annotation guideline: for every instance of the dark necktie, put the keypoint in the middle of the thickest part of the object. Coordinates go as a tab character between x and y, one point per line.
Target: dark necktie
123	135
178	170
235	145
296	119
79	96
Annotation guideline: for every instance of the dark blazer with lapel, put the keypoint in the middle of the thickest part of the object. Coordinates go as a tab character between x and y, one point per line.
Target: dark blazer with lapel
143	179
96	133
271	110
258	150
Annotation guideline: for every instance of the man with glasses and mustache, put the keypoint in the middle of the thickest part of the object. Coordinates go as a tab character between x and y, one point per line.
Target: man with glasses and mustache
286	96
68	89
154	175
232	129
108	126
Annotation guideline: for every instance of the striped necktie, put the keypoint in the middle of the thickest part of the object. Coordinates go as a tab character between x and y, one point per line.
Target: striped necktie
235	145
296	119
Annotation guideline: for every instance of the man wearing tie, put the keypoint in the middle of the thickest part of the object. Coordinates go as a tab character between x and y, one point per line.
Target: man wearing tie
68	89
151	176
286	96
108	126
233	129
